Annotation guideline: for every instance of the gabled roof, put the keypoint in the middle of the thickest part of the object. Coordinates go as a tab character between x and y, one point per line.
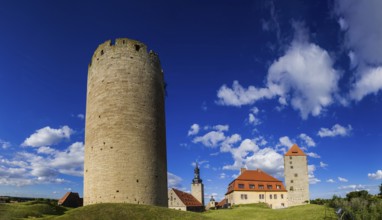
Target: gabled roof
62	200
295	151
71	199
186	198
222	203
256	175
256	180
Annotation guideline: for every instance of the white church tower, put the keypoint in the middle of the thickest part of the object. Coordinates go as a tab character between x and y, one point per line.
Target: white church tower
197	187
296	176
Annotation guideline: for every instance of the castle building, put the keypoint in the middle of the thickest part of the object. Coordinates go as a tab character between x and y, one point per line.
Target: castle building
296	176
125	134
185	201
255	186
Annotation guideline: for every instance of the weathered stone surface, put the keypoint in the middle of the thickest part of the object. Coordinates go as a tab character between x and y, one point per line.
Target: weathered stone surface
296	179
125	137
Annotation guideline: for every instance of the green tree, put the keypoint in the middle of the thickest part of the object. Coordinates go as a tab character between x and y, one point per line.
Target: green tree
358	194
380	190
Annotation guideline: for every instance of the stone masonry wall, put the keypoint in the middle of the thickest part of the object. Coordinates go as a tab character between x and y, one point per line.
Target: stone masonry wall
125	137
296	179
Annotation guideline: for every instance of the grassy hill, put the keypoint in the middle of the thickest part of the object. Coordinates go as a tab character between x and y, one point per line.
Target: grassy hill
261	211
44	210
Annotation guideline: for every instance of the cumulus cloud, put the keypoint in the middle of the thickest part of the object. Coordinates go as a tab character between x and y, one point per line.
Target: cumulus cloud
285	141
312	178
194	130
336	130
330	181
303	77
323	165
221	127
48	136
363	36
46	166
308	140
353	187
369	83
211	139
341	179
81	116
5	144
376	176
313	155
173	180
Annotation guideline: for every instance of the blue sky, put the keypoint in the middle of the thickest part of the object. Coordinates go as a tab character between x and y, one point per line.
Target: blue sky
246	79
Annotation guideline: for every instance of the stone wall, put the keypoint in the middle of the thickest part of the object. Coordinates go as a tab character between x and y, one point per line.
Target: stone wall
125	137
197	190
296	179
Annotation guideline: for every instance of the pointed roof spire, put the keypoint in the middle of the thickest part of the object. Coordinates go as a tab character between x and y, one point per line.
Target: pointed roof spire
295	151
197	174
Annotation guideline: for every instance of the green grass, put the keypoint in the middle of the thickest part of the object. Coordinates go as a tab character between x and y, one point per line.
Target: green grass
108	211
261	211
29	209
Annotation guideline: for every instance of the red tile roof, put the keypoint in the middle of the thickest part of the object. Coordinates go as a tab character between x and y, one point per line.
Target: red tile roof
256	180
62	200
222	203
186	198
295	151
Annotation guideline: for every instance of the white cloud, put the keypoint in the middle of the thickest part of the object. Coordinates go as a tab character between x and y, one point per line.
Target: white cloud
336	130
323	165
330	181
5	144
363	36
341	179
48	136
70	161
221	127
376	176
194	130
312	178
285	141
353	60
343	25
253	120
211	139
353	187
81	116
370	82
313	155
303	76
173	180
222	176
308	140
46	150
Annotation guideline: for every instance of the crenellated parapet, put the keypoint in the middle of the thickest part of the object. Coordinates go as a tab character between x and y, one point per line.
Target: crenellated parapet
130	48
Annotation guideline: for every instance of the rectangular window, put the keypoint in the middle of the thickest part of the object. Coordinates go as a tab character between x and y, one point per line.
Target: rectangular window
291	181
261	196
290	157
269	186
243	196
291	188
291	167
261	186
275	196
251	186
282	196
241	186
270	196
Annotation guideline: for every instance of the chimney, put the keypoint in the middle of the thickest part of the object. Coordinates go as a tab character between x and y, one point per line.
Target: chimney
242	170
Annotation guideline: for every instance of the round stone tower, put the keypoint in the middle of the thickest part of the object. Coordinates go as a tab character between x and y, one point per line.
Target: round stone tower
125	135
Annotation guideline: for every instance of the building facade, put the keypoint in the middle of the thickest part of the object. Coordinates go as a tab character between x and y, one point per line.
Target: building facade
256	186
125	134
296	176
183	201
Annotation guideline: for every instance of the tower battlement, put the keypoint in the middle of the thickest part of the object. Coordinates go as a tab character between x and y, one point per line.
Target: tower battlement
134	48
